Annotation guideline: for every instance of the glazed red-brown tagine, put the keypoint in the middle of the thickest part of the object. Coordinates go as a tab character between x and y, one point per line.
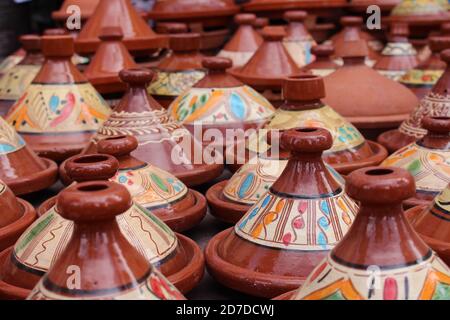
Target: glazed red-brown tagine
158	134
323	65
276	244
138	36
109	266
380	240
87	8
59	112
436	103
15	81
260	23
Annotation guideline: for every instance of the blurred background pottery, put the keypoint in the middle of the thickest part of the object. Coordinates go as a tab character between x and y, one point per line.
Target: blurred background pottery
86	7
323	65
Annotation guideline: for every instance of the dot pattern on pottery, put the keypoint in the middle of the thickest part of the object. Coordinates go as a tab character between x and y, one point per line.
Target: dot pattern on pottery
331	280
174	83
46	108
221	106
14	83
10	141
9	62
418	77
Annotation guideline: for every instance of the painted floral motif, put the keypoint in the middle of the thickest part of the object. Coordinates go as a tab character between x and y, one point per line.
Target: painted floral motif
430	167
239	58
427	280
221	106
417	7
415	77
42	243
14	83
10	141
45	108
399	49
175	83
300	50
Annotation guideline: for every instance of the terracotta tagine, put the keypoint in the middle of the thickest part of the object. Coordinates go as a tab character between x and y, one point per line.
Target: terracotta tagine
244	43
16	80
436	103
16	216
374	102
108	267
421	79
220	101
323	65
12	60
298	41
399	55
86	7
60	110
427	160
138	36
179	70
381	257
138	114
20	168
260	23
111	57
290	229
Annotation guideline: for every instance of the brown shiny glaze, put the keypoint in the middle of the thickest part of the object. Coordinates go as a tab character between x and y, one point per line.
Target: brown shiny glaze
245	39
110	58
323	61
138	36
171	27
87	8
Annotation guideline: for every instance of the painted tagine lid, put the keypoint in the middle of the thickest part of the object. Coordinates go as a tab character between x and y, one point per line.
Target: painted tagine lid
372	262
399	55
138	114
110	267
220	101
436	103
179	70
20	168
245	41
138	36
423	12
298	41
111	57
289	230
87	8
323	65
375	101
16	80
11	60
60	110
427	160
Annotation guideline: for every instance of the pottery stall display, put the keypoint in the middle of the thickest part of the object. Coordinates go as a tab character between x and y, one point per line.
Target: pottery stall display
427	160
381	257
436	103
245	41
69	7
179	70
220	102
15	81
323	65
290	229
399	55
59	112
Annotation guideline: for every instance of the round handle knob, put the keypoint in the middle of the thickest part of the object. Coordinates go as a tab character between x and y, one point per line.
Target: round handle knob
217	63
185	42
91	167
273	33
306	140
117	146
245	18
137	76
323	50
31	42
303	88
261	23
295	15
58	46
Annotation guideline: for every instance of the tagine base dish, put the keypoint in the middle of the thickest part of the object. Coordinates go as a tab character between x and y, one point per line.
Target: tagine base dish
394	140
8	291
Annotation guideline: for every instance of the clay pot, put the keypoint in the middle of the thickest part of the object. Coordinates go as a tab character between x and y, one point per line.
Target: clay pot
179	70
323	65
87	8
221	102
436	103
361	5
12	60
138	36
244	43
260	23
60	110
398	56
110	267
298	41
381	257
276	244
426	160
17	78
138	114
20	168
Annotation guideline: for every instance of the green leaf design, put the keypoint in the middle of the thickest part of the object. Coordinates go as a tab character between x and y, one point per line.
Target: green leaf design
159	182
414	167
35	231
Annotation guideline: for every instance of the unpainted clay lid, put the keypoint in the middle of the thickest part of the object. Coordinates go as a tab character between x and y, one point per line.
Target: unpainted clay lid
217	76
322	50
261	22
58	46
303	88
180	42
354	49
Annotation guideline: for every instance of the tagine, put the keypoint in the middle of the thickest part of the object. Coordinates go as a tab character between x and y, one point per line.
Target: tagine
260	23
11	61
323	65
86	8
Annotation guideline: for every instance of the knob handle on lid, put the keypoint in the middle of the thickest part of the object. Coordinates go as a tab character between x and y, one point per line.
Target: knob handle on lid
273	33
117	146
303	88
245	18
91	167
137	76
185	42
58	46
295	15
306	140
217	63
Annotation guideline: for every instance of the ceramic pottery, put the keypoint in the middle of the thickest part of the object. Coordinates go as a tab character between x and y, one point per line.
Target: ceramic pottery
138	114
109	267
323	65
60	110
11	60
111	57
260	23
359	268
289	230
298	41
138	36
436	103
87	8
20	168
398	56
220	101
427	160
244	43
16	79
179	70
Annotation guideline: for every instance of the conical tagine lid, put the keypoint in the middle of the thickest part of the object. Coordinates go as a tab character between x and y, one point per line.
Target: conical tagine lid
60	110
323	65
381	257
86	7
110	267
